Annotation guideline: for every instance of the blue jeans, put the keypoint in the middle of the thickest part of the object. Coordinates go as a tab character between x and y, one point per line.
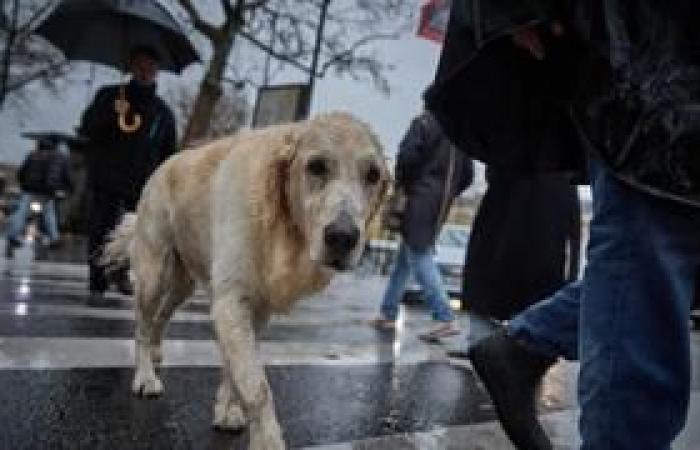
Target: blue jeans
428	276
627	320
19	218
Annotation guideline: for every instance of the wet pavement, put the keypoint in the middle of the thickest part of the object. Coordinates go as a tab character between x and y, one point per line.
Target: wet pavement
65	374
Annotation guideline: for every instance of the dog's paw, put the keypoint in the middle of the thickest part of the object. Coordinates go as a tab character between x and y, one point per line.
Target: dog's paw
146	385
229	417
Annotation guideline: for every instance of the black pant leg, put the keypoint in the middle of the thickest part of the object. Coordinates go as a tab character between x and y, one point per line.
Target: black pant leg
105	212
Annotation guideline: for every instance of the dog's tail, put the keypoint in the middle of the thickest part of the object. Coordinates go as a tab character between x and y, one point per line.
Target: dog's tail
117	251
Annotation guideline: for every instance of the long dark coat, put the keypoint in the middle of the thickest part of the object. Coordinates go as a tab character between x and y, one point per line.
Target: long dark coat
525	242
622	84
120	162
421	169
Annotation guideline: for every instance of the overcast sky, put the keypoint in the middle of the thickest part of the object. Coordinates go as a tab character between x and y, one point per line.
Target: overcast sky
413	59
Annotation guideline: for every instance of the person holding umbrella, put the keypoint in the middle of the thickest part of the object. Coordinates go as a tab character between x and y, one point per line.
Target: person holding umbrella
122	152
129	128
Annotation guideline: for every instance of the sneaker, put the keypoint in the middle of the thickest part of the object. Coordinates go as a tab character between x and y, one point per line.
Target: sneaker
444	330
512	374
383	324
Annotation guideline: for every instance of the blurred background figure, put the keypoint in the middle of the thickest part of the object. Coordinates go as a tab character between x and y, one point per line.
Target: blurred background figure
130	132
525	244
43	177
431	173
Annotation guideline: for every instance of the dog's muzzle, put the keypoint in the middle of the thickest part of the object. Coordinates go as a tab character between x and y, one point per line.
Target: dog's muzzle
340	238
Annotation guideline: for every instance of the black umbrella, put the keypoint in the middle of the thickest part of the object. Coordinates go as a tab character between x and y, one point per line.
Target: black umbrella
104	31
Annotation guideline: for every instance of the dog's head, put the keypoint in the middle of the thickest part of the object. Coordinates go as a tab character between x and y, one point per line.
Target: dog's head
335	182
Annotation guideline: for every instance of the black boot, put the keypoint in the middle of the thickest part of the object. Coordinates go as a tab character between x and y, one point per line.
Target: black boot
124	286
512	374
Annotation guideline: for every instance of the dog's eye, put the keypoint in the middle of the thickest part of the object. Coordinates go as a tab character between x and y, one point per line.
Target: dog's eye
317	167
373	175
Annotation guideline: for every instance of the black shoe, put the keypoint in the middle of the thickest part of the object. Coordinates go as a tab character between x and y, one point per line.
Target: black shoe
124	286
10	247
512	374
96	297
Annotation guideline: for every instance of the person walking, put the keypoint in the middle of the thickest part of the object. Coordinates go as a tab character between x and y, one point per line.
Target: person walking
619	81
524	245
431	173
43	176
122	152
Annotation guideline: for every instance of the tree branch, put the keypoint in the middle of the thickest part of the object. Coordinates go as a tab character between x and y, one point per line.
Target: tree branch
29	25
255	4
19	84
266	48
229	10
199	24
351	50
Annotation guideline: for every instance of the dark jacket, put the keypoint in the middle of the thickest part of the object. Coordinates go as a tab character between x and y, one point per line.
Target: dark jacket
121	162
45	172
524	244
622	84
421	169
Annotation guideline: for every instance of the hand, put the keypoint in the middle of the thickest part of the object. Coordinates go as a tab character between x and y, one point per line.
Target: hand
528	38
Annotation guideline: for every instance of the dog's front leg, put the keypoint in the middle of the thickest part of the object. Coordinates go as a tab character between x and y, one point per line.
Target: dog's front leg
234	324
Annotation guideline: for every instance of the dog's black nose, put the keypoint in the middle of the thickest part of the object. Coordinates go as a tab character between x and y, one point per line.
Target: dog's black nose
341	235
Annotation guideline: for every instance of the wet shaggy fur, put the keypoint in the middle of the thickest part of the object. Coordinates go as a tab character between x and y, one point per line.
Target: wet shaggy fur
247	218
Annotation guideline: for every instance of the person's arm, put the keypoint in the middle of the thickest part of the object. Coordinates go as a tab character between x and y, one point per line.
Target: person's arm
66	175
528	38
169	145
412	152
22	172
94	124
467	172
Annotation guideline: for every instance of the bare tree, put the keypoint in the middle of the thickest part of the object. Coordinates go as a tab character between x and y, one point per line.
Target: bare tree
230	112
24	57
314	36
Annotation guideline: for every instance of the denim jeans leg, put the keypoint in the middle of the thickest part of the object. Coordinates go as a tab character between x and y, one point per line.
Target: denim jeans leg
397	284
430	280
479	328
49	218
19	218
551	326
643	256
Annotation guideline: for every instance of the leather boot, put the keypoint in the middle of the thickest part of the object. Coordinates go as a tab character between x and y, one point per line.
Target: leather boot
512	374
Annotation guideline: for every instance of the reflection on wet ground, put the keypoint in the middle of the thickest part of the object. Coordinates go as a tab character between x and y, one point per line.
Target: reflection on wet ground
65	372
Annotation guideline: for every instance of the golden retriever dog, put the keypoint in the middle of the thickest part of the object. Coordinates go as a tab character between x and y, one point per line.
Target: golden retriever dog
260	220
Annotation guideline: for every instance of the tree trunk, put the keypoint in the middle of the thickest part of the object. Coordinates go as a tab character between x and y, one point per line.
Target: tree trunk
210	90
11	32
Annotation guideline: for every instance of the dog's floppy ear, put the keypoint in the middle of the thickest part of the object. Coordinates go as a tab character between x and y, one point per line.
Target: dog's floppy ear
276	198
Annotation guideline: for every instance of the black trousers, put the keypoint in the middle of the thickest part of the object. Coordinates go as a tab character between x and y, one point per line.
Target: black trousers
105	212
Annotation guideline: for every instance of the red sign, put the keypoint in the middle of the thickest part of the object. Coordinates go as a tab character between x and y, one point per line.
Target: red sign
434	16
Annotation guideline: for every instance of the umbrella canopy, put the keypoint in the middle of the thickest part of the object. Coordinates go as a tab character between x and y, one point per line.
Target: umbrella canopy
104	31
434	16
